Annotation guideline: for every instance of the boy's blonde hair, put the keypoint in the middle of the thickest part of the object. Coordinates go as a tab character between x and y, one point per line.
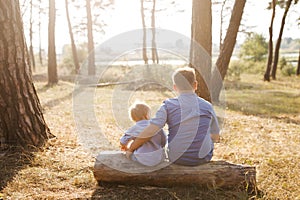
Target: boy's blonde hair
139	111
184	78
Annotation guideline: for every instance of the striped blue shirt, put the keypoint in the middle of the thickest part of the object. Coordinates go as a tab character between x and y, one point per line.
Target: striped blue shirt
190	121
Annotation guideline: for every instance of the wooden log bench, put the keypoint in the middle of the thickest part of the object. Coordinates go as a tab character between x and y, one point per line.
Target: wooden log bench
115	168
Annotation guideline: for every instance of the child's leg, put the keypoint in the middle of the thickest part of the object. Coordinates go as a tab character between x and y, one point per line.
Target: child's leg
133	158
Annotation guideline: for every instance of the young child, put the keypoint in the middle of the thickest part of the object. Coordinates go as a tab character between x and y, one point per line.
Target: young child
151	152
192	123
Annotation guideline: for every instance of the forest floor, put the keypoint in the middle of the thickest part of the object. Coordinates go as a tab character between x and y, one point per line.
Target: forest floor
261	128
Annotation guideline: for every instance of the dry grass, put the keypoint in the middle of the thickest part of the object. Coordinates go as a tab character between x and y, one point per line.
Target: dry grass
257	135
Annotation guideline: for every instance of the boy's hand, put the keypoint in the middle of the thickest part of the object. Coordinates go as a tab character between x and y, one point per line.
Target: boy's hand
123	148
215	137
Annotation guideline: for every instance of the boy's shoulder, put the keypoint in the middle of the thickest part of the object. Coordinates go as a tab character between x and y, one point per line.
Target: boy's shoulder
205	105
203	101
174	103
170	100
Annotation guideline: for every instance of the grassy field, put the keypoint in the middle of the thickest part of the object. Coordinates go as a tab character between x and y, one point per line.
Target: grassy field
260	128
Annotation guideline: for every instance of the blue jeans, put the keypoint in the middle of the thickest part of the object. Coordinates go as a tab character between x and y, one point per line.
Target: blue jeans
188	161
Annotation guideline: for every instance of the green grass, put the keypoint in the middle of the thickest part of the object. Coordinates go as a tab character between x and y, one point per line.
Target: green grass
254	97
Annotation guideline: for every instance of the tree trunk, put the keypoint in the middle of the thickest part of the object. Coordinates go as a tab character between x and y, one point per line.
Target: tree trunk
91	58
154	48
270	56
145	58
113	167
40	36
32	59
221	24
202	47
21	119
298	67
74	50
277	47
223	60
52	64
191	53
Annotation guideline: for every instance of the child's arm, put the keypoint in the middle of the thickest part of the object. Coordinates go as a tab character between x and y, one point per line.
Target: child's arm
123	146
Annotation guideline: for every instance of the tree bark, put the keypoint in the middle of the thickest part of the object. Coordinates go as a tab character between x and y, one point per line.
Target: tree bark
223	60
298	66
113	167
21	119
52	64
145	58
191	53
32	59
154	48
270	56
74	49
91	58
202	45
221	25
40	37
277	47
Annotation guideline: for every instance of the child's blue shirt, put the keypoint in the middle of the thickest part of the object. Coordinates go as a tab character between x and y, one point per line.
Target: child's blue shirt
150	153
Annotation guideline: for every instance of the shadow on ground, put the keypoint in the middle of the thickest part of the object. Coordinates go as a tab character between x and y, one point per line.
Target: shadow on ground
114	192
56	102
43	77
11	162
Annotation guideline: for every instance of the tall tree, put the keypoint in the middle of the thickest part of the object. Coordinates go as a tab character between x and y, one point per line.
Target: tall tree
32	59
277	47
270	55
91	57
154	48
223	3
52	64
21	119
298	65
227	49
145	58
73	45
201	49
40	33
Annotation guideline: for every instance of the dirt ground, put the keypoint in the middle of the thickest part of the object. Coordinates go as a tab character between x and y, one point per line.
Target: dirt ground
251	134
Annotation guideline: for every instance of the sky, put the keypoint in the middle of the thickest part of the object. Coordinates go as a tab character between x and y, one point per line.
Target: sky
126	16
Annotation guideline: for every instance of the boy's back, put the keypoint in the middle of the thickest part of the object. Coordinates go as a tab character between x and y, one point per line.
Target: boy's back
190	120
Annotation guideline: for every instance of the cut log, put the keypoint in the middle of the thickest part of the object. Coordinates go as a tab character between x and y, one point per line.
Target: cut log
115	168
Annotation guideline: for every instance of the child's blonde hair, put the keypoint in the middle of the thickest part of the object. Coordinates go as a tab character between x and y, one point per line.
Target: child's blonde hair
184	78
139	111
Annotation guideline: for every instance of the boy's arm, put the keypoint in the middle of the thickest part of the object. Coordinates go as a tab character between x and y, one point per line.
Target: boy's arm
214	128
124	140
143	137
